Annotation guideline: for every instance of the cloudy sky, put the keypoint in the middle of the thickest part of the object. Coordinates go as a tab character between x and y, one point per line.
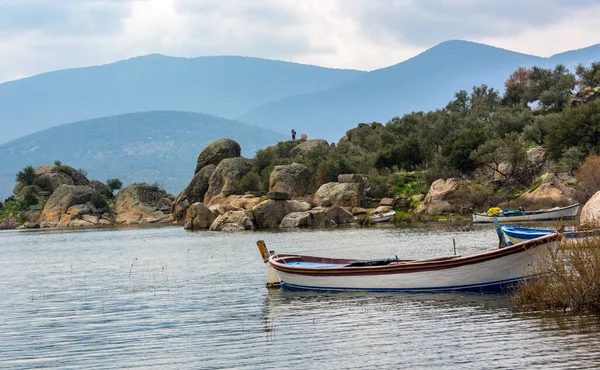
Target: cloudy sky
42	35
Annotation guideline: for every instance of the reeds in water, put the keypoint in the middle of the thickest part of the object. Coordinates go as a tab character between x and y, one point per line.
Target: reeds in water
569	279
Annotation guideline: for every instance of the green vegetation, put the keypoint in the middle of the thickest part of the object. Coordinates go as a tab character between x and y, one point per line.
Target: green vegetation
26	175
480	135
114	184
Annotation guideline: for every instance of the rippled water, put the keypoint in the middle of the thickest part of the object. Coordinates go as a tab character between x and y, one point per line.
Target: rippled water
167	298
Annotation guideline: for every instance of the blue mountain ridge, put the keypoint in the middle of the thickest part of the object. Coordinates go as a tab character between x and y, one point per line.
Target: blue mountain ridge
159	146
425	82
226	86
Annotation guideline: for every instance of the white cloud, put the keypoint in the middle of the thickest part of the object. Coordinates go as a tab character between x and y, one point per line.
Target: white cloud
38	35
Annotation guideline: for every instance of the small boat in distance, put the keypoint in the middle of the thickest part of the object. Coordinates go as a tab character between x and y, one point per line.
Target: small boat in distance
513	234
557	213
382	217
492	270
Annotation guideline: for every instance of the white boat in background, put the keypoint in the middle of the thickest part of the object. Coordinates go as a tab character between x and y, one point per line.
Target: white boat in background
514	234
382	217
557	213
492	270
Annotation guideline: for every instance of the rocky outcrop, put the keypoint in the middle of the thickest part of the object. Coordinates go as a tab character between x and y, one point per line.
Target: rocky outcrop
552	190
346	195
193	193
51	176
142	203
308	146
216	151
270	213
444	197
198	217
64	204
233	221
226	179
221	209
295	179
590	213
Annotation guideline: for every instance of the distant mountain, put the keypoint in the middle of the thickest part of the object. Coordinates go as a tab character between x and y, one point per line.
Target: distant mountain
426	82
159	146
225	86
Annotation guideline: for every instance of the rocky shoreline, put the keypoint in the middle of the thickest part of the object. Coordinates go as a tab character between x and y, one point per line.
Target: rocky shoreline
63	197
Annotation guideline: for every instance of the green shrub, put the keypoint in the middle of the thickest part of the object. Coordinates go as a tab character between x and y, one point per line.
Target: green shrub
98	200
26	175
251	182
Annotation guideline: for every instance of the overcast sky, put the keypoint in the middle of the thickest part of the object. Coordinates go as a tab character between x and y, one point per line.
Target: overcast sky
43	35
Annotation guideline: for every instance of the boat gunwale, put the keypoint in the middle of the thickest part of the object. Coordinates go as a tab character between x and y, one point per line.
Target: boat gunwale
529	213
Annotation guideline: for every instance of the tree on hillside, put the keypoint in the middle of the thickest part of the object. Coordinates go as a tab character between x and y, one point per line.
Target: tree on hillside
113	184
516	85
26	175
552	89
588	76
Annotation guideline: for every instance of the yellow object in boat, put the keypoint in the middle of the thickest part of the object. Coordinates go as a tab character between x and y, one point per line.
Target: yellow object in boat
493	211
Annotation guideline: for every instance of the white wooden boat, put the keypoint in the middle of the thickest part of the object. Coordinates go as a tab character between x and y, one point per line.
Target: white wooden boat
382	217
557	213
492	270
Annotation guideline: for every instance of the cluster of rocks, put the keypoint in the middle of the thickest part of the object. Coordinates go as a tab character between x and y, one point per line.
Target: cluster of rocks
71	200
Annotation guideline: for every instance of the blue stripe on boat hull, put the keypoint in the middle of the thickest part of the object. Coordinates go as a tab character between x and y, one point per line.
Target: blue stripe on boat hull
492	286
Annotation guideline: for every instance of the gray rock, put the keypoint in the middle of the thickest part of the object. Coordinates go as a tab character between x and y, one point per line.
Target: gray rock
278	195
295	179
226	178
308	146
198	217
63	198
216	151
142	203
233	221
269	214
193	193
348	195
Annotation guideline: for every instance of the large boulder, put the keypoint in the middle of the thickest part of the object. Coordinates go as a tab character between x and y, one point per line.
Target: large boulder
233	221
308	146
143	203
295	179
100	188
198	217
346	195
552	190
226	179
270	213
216	151
444	197
51	176
64	198
193	193
318	216
590	213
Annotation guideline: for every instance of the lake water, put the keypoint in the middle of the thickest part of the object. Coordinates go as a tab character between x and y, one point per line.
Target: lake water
167	298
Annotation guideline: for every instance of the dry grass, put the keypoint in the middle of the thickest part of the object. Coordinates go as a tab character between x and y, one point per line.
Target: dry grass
569	279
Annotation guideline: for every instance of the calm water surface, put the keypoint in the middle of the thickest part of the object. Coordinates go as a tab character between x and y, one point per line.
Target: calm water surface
167	298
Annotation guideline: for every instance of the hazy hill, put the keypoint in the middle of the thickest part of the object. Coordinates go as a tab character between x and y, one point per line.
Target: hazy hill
159	146
425	82
225	86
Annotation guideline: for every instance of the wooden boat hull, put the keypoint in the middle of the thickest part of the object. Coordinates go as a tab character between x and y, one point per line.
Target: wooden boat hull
542	215
486	271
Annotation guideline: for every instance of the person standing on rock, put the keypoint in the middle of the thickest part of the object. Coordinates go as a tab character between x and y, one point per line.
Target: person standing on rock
293	134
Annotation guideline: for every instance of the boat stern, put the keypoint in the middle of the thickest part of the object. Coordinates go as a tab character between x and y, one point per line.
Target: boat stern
272	278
